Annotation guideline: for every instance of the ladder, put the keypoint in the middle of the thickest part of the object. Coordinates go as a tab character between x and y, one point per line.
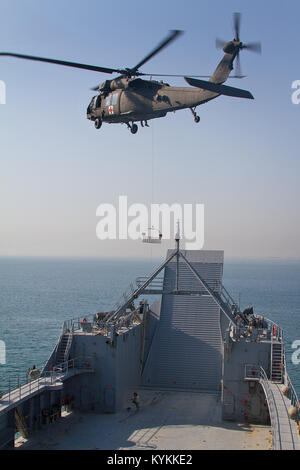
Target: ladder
63	348
276	361
20	423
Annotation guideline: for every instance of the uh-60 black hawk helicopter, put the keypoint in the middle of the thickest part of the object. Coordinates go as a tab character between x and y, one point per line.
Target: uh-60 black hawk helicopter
129	99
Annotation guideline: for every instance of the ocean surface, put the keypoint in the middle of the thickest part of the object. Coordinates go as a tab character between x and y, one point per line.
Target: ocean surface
38	294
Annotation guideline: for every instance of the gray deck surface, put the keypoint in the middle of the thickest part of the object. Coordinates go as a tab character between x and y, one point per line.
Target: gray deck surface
167	420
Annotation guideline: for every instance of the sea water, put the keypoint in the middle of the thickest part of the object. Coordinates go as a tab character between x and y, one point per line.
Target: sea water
38	294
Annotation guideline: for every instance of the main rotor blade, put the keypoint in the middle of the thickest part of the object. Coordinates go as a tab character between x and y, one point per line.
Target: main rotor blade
237	25
183	76
95	68
253	46
170	75
220	44
173	35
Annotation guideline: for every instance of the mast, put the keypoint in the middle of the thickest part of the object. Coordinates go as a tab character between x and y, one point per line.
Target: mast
177	240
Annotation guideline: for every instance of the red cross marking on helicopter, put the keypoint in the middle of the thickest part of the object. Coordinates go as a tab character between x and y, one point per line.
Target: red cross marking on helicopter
110	109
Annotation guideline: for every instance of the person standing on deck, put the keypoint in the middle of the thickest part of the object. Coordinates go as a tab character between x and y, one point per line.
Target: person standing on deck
136	401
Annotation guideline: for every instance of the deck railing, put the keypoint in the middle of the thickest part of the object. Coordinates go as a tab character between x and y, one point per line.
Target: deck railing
273	411
255	372
293	396
51	377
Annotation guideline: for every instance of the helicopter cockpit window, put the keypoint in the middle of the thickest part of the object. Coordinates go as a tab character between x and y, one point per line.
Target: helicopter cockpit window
115	98
92	104
105	86
107	101
98	101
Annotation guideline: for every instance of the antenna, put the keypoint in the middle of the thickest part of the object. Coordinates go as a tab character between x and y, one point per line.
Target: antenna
177	236
177	239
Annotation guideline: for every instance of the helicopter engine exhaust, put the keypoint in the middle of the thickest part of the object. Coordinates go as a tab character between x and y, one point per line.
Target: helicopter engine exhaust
118	83
111	85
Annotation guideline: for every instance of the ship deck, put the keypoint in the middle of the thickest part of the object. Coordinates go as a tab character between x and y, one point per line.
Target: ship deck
167	420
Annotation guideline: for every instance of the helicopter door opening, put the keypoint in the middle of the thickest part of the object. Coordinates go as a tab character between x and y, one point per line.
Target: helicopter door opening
152	236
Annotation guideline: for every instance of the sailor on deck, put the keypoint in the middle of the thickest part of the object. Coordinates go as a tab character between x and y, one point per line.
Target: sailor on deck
136	401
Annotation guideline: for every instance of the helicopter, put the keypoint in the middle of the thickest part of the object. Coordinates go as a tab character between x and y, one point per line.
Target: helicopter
128	99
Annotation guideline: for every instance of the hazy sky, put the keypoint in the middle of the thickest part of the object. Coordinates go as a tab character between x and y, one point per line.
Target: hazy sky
241	161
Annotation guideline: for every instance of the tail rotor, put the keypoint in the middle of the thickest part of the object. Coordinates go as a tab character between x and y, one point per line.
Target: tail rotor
236	45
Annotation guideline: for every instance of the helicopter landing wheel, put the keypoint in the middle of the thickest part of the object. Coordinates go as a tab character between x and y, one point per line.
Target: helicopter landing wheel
98	123
134	129
196	117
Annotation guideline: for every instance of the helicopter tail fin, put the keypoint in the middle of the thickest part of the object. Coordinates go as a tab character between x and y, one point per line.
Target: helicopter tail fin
223	69
220	89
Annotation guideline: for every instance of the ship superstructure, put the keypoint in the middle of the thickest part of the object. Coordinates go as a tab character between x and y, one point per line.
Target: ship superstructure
194	338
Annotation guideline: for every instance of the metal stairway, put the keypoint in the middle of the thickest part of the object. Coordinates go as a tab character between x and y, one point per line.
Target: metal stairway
227	303
64	348
276	361
126	296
